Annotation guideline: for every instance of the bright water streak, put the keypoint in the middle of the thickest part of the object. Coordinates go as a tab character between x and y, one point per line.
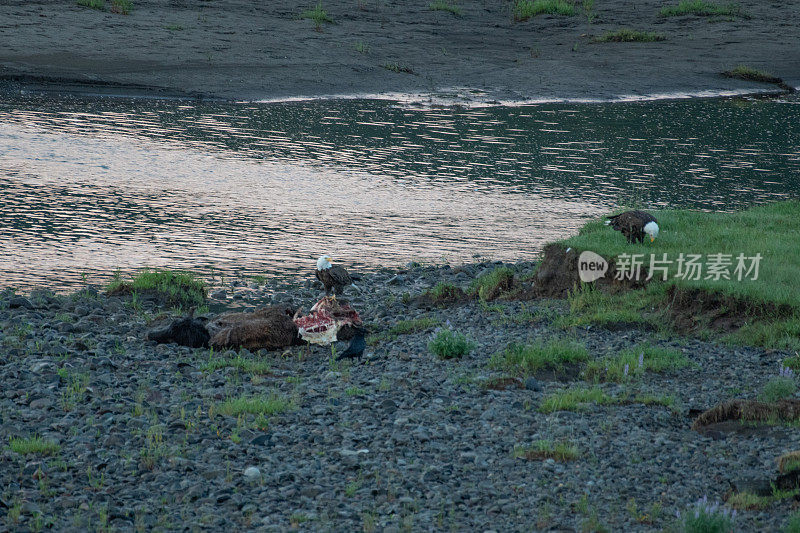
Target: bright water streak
92	186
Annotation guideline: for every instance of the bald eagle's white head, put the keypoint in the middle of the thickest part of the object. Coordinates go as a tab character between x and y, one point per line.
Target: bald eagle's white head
324	262
651	228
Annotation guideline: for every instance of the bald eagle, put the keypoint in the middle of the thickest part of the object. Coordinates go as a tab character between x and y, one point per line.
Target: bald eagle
634	225
334	278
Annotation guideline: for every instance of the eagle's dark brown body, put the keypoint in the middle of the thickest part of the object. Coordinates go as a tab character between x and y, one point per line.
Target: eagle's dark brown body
631	224
270	328
335	279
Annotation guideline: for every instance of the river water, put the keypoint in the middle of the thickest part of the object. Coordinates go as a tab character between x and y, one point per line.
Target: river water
89	186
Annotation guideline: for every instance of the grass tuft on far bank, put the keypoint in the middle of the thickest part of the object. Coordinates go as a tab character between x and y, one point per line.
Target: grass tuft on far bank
626	35
703	9
318	15
442	5
743	72
525	9
99	5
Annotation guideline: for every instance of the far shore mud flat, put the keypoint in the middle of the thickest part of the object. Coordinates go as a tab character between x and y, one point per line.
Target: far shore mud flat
134	434
454	52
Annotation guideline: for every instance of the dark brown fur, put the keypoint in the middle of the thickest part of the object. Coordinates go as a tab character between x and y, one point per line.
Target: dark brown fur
270	328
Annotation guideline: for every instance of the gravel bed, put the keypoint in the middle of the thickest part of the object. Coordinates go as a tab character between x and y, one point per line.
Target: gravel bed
399	440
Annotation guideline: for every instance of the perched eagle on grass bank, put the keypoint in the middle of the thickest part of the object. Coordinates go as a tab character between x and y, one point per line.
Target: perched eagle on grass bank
334	278
634	225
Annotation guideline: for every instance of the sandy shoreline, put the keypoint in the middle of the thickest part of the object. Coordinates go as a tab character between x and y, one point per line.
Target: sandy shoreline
235	50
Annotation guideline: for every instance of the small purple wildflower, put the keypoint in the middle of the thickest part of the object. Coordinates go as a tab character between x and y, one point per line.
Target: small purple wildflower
786	372
625	371
641	360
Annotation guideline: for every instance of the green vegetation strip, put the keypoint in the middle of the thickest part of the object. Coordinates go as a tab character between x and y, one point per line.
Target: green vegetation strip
703	9
525	9
625	35
545	449
33	445
580	398
743	72
527	359
441	5
255	405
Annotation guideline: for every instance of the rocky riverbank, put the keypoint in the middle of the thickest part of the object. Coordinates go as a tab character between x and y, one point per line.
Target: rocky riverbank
459	51
135	434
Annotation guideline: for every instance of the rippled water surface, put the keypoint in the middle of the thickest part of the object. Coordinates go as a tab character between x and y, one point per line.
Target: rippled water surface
89	186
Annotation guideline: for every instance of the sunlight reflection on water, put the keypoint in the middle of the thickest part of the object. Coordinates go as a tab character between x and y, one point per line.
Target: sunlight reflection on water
92	186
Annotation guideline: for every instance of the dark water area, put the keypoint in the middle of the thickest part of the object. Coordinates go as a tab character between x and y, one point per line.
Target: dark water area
88	186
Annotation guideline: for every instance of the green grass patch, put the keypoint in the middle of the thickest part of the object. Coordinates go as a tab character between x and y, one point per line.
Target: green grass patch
443	293
362	47
769	301
745	501
776	334
637	361
575	399
525	9
398	68
792	362
743	72
793	524
778	388
703	9
626	35
449	344
527	359
580	397
174	27
789	462
318	15
121	7
492	284
35	445
545	449
270	405
250	366
181	289
99	5
592	306
441	5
